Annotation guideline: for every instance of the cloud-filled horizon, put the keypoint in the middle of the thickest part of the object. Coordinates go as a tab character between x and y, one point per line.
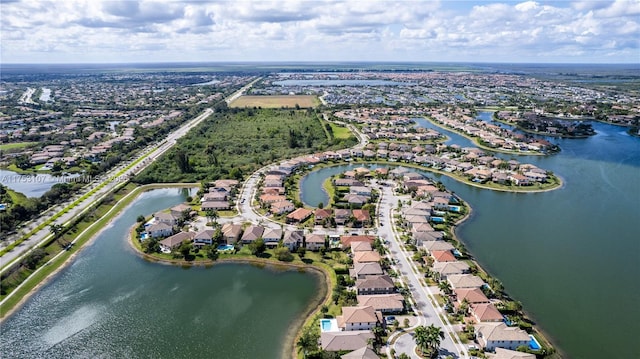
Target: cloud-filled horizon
90	31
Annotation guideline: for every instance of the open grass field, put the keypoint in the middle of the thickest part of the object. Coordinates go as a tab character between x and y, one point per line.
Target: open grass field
16	145
340	132
304	101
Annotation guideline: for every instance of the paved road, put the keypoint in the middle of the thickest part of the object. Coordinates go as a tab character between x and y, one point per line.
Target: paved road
424	306
151	153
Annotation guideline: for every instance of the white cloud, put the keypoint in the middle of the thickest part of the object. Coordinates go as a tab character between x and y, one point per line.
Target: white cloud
89	30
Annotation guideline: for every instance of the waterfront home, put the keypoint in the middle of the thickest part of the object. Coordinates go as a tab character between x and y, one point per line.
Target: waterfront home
321	215
366	257
229	183
376	284
215	205
485	312
471	295
231	232
361	217
509	354
203	238
272	236
345	341
361	191
444	269
251	234
519	180
359	318
282	207
345	241
170	243
342	216
167	218
159	229
299	215
497	335
385	303
437	245
459	281
346	182
314	241
362	270
214	197
181	210
423	237
360	246
293	239
442	256
355	199
362	353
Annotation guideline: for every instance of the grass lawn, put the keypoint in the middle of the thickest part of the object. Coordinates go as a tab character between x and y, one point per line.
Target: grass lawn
340	132
290	101
16	145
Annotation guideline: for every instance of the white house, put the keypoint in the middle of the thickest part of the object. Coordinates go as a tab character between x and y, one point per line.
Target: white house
359	318
498	335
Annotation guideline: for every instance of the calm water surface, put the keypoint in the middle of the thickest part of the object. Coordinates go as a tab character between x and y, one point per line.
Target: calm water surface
571	256
109	303
31	185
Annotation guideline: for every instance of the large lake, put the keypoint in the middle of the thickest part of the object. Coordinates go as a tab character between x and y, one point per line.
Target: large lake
571	256
109	303
31	185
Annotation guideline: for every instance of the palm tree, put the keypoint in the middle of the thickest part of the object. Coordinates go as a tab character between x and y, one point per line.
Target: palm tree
445	287
421	338
212	215
434	335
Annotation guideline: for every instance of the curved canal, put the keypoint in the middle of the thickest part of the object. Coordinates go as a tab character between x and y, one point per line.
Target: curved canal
571	255
110	303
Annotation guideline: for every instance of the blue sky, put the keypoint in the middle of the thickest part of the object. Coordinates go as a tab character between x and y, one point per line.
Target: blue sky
73	31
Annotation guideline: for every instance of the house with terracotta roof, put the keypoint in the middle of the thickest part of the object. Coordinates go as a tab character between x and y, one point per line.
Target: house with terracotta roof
443	256
322	214
385	303
471	295
345	241
360	246
498	335
282	207
299	215
314	242
361	217
366	257
486	312
359	318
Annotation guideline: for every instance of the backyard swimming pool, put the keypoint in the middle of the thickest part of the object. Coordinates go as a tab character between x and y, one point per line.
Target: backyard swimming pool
225	247
533	343
329	325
